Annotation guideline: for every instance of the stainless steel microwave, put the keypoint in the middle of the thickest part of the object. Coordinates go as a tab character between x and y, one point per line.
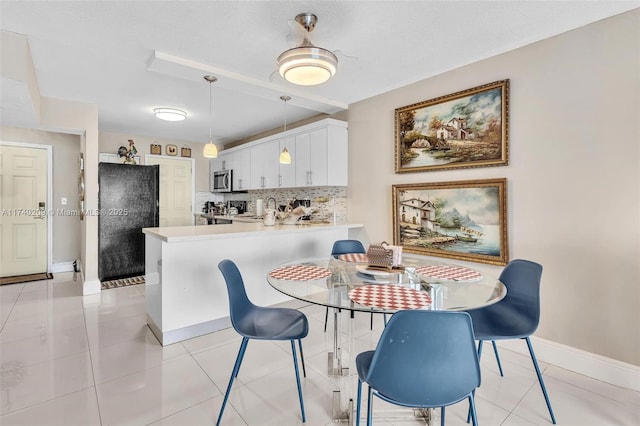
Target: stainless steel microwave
221	181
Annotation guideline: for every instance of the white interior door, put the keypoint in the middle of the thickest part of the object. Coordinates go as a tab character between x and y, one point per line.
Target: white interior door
176	190
23	224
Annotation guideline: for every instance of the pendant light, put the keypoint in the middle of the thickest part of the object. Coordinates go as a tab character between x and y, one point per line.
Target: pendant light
285	157
210	149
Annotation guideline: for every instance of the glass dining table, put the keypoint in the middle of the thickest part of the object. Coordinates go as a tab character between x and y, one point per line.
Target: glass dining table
348	283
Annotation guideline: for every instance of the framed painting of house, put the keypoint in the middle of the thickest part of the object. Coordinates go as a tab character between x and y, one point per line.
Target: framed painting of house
460	130
464	220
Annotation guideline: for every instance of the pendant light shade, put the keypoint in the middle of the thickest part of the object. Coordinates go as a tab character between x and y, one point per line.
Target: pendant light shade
285	157
210	149
307	65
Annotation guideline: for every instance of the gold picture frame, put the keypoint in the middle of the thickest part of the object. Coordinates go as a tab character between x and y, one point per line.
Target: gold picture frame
155	149
461	130
464	220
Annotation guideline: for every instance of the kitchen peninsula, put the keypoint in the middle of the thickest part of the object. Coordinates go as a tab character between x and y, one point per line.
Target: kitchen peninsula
185	292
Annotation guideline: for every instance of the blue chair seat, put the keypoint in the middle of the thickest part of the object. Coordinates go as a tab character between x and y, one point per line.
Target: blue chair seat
273	324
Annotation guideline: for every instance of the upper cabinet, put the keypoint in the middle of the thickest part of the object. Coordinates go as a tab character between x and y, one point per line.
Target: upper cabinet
241	173
264	165
318	152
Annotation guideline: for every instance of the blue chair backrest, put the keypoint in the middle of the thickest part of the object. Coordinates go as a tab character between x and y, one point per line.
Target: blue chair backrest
426	358
240	307
347	246
522	279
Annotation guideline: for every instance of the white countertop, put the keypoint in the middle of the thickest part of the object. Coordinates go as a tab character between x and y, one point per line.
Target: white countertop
234	230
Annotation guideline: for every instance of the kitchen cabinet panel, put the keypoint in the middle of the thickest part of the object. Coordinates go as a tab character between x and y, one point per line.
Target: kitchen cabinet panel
265	165
241	166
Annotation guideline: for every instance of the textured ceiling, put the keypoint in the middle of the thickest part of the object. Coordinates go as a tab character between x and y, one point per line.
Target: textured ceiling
131	56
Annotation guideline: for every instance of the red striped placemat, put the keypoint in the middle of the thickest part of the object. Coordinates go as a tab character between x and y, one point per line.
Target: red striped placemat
354	257
389	297
453	273
300	273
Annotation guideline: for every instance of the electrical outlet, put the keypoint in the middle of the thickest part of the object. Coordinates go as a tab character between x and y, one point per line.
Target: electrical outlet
63	201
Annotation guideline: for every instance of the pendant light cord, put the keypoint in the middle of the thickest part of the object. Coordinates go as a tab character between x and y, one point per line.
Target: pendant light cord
210	113
285	98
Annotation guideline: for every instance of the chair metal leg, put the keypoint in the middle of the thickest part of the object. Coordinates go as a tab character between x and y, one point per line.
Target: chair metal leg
371	322
442	415
472	410
495	351
384	316
304	370
234	374
480	349
369	407
359	402
295	365
540	379
326	318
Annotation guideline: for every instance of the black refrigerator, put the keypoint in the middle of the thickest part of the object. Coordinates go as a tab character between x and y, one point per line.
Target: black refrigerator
127	202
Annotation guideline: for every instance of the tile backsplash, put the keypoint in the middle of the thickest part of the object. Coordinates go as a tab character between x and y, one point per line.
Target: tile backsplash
337	196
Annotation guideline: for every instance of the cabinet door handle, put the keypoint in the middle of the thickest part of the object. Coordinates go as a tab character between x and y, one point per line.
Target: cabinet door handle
279	180
310	177
239	183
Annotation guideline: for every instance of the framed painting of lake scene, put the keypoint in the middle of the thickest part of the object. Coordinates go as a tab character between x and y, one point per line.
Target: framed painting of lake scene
460	130
465	220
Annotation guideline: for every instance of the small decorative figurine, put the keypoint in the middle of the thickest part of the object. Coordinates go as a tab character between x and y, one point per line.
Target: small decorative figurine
128	154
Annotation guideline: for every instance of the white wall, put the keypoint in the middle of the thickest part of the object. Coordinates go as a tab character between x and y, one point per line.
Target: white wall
573	177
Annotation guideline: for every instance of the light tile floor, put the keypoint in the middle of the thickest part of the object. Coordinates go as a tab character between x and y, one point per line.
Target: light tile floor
72	360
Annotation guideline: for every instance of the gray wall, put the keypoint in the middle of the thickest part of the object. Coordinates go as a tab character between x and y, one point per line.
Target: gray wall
66	151
573	177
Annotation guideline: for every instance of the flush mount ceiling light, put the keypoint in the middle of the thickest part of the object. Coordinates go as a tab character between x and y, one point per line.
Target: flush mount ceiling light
169	114
307	65
210	149
285	157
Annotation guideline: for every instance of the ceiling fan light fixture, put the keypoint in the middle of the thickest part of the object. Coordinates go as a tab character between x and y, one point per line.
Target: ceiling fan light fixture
307	65
169	114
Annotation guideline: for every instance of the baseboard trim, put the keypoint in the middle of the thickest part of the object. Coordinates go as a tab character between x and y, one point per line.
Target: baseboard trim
599	367
61	267
90	287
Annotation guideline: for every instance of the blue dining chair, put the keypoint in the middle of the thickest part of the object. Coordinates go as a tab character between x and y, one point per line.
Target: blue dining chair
261	323
514	317
344	247
424	359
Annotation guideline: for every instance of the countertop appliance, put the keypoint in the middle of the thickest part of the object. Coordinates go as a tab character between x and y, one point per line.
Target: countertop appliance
221	181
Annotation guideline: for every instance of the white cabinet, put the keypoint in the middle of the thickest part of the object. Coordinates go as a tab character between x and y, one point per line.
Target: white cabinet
265	165
241	166
318	158
287	176
321	157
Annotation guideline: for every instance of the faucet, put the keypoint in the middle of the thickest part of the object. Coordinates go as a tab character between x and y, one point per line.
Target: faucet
275	204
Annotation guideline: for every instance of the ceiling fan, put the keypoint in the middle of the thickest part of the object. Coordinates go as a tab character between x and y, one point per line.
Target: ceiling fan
306	64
